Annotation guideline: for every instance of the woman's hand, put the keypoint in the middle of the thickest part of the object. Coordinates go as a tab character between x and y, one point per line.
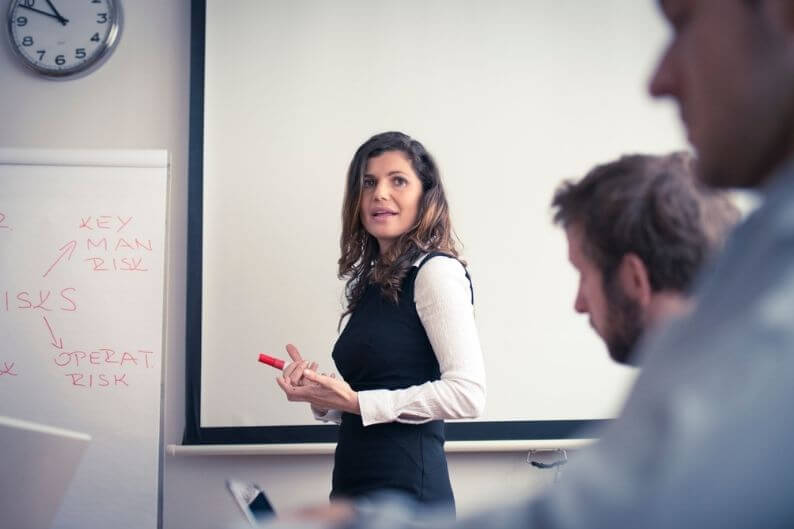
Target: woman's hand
320	412
294	370
322	392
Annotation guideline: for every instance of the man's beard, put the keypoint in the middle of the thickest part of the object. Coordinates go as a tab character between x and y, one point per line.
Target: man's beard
625	323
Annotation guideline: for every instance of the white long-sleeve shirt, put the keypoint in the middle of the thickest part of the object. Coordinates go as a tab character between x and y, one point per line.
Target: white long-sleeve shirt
443	302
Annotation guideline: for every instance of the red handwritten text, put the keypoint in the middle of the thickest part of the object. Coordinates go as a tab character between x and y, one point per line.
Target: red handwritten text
66	250
123	264
121	243
102	367
55	342
8	369
104	356
44	300
104	222
100	380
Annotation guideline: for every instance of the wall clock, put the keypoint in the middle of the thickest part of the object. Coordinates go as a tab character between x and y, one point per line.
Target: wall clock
63	38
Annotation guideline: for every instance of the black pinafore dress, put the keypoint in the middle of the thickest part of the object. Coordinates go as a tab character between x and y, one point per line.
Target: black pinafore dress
385	346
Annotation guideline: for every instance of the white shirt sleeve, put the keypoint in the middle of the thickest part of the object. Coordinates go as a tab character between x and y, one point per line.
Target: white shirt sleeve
443	301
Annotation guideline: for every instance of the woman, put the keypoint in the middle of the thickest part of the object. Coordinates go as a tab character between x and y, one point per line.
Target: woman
409	352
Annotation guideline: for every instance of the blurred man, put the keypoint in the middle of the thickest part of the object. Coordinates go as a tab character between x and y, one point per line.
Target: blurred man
639	229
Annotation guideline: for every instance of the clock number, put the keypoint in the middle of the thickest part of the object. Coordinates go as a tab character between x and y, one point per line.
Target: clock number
22	21
79	53
41	54
28	3
60	60
27	41
103	17
95	38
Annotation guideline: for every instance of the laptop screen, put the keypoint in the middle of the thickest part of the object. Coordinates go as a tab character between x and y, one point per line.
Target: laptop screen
37	466
252	501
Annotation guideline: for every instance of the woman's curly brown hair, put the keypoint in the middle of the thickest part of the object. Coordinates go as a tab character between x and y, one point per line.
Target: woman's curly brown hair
361	262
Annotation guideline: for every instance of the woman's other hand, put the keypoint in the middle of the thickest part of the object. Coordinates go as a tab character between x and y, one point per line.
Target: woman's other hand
323	392
321	412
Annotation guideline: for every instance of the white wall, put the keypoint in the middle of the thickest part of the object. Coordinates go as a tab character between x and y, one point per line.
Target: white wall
139	100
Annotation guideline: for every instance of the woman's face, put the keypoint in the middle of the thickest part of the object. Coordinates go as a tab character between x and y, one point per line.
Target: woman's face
390	194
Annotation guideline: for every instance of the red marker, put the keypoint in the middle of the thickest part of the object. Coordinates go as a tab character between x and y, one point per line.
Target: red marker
273	362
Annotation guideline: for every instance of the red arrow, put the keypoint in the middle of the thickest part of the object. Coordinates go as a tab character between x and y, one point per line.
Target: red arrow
55	342
68	247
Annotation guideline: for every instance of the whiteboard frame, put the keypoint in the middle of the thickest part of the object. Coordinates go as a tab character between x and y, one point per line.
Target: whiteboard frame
195	434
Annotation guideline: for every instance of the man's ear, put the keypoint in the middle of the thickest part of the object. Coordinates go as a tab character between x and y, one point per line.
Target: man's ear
634	279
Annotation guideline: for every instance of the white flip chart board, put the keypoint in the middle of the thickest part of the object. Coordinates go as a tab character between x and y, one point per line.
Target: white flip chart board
82	240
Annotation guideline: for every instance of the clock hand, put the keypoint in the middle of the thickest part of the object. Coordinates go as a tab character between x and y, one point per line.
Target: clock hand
57	14
40	12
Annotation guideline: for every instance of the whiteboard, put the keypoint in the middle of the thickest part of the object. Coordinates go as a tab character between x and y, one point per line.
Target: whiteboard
511	96
82	239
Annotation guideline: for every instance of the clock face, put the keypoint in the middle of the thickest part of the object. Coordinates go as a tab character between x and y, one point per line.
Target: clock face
61	38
